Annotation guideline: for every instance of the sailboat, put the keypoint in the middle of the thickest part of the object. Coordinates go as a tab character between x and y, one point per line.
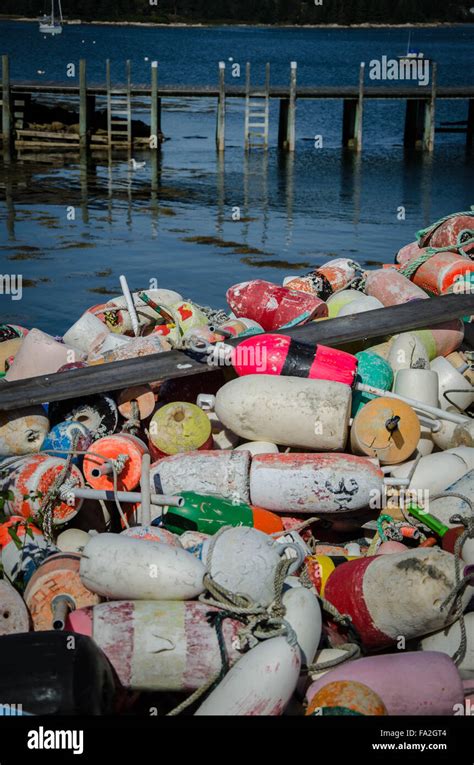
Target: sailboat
51	25
411	52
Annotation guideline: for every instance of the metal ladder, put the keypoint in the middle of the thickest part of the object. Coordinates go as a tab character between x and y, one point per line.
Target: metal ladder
257	107
119	111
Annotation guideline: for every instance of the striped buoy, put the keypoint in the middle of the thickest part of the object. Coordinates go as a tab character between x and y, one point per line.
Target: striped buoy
410	683
125	451
56	588
314	483
324	281
159	646
388	596
30	480
320	567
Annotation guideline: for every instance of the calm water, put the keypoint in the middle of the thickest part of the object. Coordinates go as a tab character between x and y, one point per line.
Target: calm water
174	221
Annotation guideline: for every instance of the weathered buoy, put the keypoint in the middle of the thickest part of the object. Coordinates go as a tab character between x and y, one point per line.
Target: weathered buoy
208	513
324	281
62	674
448	641
159	646
55	589
28	482
87	333
454	389
371	370
436	472
362	304
121	568
346	697
320	567
179	427
22	431
272	306
389	596
391	287
452	231
313	483
245	560
303	613
204	472
261	683
23	548
411	683
442	271
64	437
125	452
144	398
445	507
258	447
98	413
386	429
13	612
40	354
407	352
274	354
310	414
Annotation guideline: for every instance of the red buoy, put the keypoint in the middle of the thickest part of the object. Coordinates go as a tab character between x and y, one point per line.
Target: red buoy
273	306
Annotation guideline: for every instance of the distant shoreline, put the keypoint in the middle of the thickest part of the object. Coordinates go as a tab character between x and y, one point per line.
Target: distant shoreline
197	25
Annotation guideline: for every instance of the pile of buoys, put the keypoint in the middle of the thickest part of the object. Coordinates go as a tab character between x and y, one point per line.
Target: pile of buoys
291	534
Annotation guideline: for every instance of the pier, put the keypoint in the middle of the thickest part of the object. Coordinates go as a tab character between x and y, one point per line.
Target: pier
117	101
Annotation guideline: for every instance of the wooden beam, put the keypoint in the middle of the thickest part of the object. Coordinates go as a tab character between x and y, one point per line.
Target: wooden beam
172	364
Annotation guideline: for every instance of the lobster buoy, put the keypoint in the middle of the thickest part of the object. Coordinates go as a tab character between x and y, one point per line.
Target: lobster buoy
61	674
442	271
412	683
454	389
28	482
272	306
274	354
23	549
98	413
125	451
362	304
314	483
310	414
152	644
387	596
261	683
386	429
258	447
72	540
142	395
87	333
442	339
436	472
40	354
179	427
445	507
338	300
208	514
324	281
64	437
371	370
303	613
152	534
452	231
449	640
391	287
320	567
204	472
245	560
408	252
450	435
56	588
189	316
13	612
407	352
346	697
22	431
122	568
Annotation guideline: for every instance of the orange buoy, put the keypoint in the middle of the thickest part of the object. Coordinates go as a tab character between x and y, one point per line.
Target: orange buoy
345	697
386	429
55	589
144	397
126	451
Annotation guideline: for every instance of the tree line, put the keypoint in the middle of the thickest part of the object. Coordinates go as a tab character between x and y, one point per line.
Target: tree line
253	11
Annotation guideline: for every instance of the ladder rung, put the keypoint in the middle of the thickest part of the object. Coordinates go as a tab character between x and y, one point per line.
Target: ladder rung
257	125
254	132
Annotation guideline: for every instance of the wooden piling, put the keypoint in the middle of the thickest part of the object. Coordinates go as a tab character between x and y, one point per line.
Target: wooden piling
359	117
155	121
83	114
109	102
291	132
283	123
349	122
129	103
430	111
415	122
220	121
470	126
7	127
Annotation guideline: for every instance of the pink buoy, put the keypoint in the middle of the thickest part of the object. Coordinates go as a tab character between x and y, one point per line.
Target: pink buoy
273	306
392	288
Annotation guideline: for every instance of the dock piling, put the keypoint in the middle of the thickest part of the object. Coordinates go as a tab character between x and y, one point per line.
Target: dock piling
83	112
155	120
220	124
470	126
7	127
430	111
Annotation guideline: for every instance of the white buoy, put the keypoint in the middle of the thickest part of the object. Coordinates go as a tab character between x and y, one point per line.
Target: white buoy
261	683
437	471
449	640
303	613
454	389
121	568
88	333
258	447
312	414
408	352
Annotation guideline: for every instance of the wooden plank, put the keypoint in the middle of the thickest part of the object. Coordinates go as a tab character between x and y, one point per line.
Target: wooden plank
172	364
46	134
45	144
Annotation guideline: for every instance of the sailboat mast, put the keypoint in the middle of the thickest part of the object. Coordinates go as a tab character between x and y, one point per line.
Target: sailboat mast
52	12
60	11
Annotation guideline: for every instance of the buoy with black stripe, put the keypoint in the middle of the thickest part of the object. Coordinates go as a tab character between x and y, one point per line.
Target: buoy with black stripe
311	414
275	354
388	596
159	645
324	281
261	683
314	483
122	568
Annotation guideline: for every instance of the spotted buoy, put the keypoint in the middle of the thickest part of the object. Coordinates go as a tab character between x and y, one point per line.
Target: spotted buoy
122	568
273	306
64	437
346	697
